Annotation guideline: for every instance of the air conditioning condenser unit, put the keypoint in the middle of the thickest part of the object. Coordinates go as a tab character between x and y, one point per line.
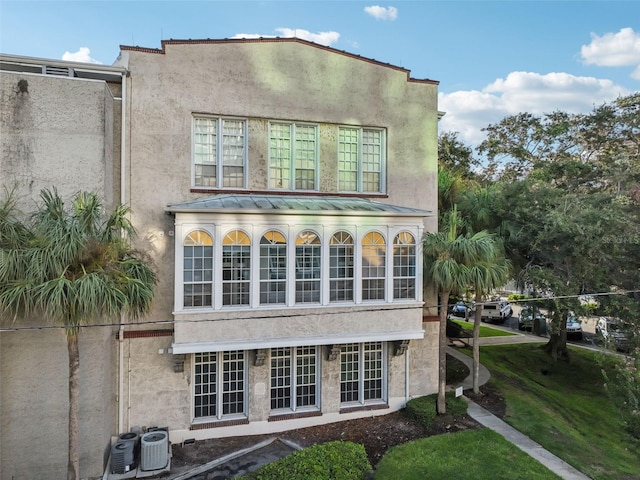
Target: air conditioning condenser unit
154	450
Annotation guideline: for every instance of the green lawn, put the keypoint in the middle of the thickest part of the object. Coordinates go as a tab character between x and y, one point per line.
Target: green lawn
484	331
563	407
473	454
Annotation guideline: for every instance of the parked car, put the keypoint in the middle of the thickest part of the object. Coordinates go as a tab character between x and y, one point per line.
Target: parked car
528	315
496	311
574	327
461	310
610	331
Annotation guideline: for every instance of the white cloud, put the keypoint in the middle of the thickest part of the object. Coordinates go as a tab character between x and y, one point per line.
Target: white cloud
620	49
322	38
467	112
82	55
382	13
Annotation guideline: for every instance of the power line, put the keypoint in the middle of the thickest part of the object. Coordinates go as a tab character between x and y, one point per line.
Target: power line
309	314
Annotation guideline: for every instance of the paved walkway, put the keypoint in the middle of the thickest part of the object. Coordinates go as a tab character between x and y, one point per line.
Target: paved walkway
487	419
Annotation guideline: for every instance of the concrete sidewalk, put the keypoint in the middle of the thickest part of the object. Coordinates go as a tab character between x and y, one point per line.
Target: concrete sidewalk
487	419
524	443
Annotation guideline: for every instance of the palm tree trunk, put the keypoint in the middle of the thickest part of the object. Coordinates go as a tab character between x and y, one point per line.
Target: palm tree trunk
73	466
441	405
476	346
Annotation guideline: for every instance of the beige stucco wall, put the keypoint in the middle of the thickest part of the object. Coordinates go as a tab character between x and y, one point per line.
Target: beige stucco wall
55	132
260	82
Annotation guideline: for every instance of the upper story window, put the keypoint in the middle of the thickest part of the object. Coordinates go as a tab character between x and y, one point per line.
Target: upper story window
361	160
236	268
373	266
219	152
266	268
404	266
293	156
273	268
308	262
341	267
198	269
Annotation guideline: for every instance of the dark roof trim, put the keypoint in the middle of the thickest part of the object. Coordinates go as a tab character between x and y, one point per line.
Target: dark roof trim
274	40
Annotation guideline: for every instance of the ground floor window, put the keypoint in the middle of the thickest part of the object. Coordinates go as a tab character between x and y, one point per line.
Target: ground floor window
219	384
294	378
362	373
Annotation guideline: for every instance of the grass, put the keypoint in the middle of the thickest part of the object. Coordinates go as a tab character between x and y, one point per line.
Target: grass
484	331
564	408
473	454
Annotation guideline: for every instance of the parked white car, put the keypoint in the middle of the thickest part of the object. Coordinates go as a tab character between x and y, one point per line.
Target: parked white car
610	331
574	327
496	312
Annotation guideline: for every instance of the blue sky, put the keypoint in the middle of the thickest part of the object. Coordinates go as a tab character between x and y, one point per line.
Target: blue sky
492	58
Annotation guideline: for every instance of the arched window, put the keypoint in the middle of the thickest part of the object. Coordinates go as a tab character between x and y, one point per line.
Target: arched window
373	266
308	263
198	269
273	268
341	267
236	268
404	266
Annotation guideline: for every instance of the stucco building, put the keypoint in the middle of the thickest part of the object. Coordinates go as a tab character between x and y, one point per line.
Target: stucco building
282	189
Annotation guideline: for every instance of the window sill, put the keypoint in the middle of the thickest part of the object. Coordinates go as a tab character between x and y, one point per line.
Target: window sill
219	424
363	408
293	416
300	193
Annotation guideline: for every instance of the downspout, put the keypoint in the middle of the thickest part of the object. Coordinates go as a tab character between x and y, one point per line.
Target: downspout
123	197
406	376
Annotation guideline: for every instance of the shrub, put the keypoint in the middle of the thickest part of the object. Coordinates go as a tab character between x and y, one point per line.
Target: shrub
623	386
517	296
327	461
424	409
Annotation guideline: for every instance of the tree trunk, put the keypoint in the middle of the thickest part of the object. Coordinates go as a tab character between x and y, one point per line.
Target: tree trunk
441	406
476	346
557	346
73	466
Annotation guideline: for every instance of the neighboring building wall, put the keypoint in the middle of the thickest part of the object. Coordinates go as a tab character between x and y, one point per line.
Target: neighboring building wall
56	132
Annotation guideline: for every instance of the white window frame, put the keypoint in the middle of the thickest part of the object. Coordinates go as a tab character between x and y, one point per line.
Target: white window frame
205	271
340	263
380	271
239	283
360	159
273	267
217	158
220	385
291	378
362	373
307	271
404	274
290	157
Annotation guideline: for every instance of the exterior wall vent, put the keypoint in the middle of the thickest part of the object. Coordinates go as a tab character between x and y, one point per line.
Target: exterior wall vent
154	450
58	71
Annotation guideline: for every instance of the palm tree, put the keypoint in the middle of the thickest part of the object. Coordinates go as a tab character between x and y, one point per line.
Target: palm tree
445	267
72	266
489	272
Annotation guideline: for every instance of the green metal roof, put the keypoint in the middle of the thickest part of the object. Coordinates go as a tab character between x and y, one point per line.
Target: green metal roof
288	204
